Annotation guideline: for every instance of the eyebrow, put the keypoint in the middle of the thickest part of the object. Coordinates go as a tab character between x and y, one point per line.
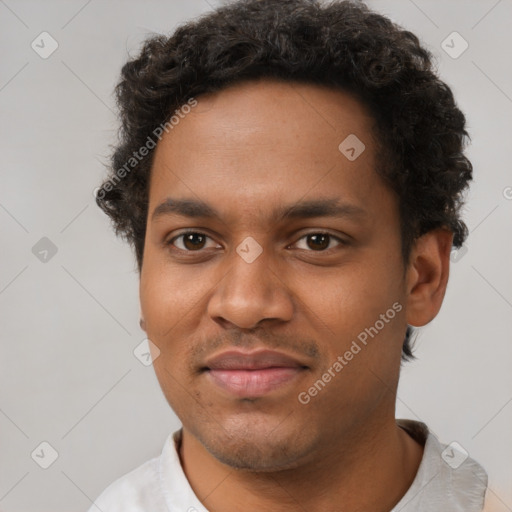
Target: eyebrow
330	207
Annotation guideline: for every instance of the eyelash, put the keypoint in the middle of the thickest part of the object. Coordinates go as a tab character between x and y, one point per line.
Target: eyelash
170	243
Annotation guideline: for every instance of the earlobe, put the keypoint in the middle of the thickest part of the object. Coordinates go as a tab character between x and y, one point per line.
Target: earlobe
427	276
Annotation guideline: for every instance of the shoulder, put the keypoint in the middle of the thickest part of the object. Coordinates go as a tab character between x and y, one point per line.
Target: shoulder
136	491
447	479
158	485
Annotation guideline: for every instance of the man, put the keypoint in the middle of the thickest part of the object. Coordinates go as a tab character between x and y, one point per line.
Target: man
290	177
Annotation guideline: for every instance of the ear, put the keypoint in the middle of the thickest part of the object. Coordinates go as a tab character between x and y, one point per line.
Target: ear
427	276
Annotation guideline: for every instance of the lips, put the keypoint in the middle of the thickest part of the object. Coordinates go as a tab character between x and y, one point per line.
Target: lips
252	375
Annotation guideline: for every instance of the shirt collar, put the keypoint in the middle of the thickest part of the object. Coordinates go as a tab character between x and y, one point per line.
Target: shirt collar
436	486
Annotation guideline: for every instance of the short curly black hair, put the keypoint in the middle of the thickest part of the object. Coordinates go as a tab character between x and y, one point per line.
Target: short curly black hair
343	44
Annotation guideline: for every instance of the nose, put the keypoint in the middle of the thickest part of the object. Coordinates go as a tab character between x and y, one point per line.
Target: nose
249	293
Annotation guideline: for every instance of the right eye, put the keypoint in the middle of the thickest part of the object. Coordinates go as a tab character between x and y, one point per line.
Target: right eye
189	241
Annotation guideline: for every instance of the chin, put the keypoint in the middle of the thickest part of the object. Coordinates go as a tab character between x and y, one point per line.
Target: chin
256	457
256	445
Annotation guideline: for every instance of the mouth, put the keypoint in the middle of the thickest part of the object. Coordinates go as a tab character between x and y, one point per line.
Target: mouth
254	374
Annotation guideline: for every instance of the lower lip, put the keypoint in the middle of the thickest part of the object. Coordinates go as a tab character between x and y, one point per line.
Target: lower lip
253	383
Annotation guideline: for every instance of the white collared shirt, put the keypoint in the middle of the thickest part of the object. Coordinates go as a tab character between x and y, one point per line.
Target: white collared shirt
447	480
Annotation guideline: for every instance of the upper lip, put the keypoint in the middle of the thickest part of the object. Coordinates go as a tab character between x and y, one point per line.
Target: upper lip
257	360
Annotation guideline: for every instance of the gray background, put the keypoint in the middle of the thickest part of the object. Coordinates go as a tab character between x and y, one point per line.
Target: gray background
68	375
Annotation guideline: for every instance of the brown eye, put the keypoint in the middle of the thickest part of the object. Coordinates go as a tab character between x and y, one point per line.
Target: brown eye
318	242
193	241
190	241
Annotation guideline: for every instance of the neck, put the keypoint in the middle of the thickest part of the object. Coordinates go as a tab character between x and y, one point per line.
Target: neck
371	472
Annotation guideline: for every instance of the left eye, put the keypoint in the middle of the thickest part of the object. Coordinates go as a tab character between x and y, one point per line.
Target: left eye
319	241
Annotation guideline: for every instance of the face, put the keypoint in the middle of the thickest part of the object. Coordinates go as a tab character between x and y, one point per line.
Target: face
272	279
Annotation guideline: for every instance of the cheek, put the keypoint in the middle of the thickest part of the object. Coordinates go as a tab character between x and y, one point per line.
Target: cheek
357	316
350	297
361	313
173	302
169	294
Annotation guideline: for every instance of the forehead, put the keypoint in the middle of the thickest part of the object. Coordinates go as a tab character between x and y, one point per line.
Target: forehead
260	142
273	111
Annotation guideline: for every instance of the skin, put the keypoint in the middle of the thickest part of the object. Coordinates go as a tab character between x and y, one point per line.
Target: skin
245	151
